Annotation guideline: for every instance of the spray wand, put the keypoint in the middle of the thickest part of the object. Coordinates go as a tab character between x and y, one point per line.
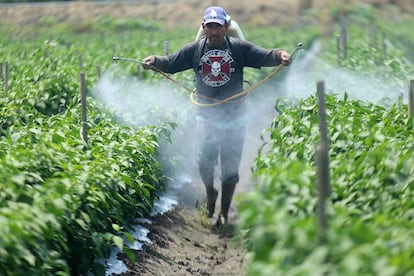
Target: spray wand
116	59
165	75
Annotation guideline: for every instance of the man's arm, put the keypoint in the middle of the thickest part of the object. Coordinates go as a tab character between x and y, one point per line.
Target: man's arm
255	56
176	62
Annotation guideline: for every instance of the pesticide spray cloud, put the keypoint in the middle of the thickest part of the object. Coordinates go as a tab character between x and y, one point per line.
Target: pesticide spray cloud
299	82
139	103
308	68
135	102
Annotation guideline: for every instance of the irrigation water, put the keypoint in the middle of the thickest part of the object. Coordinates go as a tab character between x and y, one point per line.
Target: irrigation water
139	103
140	234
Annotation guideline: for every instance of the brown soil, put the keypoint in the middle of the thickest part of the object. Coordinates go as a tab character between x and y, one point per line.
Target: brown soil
183	245
186	242
185	13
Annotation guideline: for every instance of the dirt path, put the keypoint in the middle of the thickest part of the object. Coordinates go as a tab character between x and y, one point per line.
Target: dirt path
185	241
185	245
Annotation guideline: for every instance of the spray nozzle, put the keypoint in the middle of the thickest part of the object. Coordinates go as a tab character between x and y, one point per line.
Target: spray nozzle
299	46
115	59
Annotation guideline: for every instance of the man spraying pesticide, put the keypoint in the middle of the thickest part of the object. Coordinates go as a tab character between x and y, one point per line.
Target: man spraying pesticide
218	61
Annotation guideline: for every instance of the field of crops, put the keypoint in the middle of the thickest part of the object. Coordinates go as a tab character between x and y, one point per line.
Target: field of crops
65	201
369	211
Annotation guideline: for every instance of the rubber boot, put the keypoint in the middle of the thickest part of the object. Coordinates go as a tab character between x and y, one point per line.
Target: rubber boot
227	191
212	194
207	175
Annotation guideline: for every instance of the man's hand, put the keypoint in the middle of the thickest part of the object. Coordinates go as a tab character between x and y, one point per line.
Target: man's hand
284	57
148	62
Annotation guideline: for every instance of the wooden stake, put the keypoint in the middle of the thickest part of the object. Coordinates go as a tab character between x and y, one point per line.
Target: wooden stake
322	111
113	50
84	132
166	47
338	49
401	98
373	35
155	11
81	63
6	78
324	188
139	72
411	98
166	50
344	35
98	71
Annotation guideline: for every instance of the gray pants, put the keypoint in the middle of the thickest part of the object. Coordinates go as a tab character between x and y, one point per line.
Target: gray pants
223	143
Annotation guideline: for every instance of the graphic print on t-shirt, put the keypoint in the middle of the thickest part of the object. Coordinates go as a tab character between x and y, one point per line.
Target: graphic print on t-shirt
217	66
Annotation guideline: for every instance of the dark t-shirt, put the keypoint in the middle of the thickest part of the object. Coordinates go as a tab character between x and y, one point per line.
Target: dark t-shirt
219	71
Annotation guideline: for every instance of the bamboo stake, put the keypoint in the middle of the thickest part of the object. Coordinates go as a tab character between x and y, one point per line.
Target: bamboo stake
84	129
323	165
411	98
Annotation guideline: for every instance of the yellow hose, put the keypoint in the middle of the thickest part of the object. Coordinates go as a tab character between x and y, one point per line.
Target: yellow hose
216	101
242	93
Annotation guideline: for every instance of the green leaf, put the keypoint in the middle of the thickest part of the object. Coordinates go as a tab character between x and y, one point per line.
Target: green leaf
118	242
116	227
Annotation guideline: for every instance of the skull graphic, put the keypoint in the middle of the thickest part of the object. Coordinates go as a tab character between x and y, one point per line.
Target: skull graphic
215	68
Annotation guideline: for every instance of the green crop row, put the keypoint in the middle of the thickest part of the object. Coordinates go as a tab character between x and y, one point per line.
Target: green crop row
64	204
370	209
